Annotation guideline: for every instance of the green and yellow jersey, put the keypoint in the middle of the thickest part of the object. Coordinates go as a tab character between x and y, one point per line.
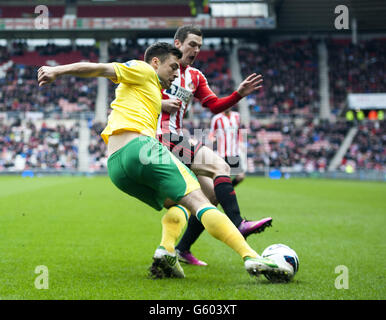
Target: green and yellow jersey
138	100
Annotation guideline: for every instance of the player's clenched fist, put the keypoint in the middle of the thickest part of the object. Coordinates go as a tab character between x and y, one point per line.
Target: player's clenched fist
46	75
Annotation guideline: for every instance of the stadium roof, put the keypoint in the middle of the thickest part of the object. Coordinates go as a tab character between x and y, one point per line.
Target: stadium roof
318	15
89	2
292	16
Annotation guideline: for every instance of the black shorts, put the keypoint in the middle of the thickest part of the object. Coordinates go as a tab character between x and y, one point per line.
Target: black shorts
235	164
183	148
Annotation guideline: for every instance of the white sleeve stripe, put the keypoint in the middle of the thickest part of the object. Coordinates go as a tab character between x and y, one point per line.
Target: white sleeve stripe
206	98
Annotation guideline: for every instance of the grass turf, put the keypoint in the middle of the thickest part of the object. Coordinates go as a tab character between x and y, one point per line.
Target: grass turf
97	243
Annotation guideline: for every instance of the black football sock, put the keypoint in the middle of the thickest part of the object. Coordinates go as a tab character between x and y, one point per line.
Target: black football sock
192	232
226	196
235	182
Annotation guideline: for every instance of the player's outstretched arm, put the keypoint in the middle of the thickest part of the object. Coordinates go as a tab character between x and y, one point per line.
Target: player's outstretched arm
216	105
48	74
250	84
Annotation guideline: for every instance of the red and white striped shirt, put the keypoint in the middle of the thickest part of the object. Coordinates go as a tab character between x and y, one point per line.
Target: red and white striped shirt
190	83
225	129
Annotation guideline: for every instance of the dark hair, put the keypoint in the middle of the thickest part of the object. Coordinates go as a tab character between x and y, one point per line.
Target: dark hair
183	32
161	50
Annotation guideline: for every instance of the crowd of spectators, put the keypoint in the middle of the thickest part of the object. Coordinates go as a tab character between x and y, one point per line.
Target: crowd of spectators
16	48
70	94
305	146
29	146
357	68
290	88
215	65
97	148
4	55
290	71
20	93
52	49
368	149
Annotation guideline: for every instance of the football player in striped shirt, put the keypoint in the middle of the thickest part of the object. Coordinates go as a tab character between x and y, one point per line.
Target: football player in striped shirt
225	130
213	173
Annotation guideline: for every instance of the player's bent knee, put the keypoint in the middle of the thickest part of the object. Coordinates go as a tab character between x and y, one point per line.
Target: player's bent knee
194	201
176	214
222	169
213	169
207	163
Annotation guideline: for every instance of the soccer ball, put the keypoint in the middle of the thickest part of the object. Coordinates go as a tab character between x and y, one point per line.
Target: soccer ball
285	258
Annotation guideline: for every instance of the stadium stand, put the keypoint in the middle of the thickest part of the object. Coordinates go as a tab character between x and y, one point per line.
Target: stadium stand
65	96
97	148
356	69
290	77
215	65
25	145
290	70
304	146
18	80
368	150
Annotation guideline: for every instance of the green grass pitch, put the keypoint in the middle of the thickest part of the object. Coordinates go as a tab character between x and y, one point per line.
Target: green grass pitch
97	243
